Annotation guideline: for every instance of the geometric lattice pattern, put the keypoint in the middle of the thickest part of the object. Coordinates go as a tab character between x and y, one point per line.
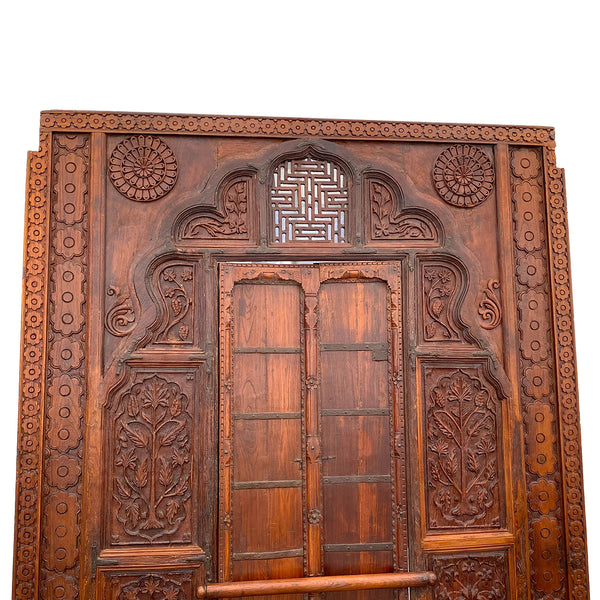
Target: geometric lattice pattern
309	201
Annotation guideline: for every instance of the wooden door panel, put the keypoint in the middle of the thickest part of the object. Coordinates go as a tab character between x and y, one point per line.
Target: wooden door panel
354	379
265	517
342	347
344	482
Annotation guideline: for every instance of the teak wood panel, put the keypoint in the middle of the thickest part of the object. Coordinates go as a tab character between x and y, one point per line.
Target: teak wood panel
265	348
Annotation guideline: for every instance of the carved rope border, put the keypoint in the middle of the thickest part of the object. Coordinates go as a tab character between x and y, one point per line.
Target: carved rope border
32	376
279	127
564	356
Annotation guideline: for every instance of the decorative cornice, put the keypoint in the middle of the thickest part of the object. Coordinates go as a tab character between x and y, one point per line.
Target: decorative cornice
284	128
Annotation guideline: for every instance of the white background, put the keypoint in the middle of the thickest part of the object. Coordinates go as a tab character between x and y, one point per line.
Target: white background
505	62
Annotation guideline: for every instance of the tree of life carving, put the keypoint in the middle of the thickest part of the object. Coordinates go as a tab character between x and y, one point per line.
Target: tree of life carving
152	458
462	452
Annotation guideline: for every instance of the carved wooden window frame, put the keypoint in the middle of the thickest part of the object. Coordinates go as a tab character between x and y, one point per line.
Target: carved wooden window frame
61	217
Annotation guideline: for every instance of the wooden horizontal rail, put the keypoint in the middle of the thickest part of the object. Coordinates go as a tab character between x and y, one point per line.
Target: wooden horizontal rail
303	585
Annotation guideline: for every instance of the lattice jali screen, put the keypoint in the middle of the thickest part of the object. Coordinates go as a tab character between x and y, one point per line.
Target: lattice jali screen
309	201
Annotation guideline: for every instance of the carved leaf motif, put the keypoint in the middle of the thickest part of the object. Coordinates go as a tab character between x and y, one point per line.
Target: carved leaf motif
169	434
165	473
443	422
137	437
133	406
141	474
127	460
120	318
123	490
472	463
489	306
437	306
132	512
171	510
182	486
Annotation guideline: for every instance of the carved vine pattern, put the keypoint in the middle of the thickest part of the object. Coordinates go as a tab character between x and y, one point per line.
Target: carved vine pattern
177	292
120	317
439	289
152	458
388	222
462	452
471	578
231	221
489	307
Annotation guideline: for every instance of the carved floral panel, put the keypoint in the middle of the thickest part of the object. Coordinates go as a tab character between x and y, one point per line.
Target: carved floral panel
152	457
463	449
175	584
471	577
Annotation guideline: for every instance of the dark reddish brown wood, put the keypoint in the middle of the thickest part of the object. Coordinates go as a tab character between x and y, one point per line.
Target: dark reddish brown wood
261	349
304	585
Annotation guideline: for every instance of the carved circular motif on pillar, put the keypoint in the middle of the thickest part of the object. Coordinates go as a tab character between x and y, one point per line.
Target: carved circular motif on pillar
143	168
463	176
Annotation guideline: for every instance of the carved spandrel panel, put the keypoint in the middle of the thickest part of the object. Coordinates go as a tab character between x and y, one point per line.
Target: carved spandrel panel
130	219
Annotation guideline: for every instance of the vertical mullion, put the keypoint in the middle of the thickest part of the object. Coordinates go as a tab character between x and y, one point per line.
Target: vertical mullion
398	423
226	394
314	511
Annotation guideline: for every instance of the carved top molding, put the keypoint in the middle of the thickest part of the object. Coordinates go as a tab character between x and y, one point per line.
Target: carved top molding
283	127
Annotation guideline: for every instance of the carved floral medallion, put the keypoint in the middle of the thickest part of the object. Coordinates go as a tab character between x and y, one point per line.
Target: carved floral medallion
143	168
463	176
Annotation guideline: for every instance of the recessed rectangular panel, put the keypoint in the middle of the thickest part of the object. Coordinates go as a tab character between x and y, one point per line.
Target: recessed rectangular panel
351	312
356	445
357	513
267	449
265	383
352	379
266	316
267	520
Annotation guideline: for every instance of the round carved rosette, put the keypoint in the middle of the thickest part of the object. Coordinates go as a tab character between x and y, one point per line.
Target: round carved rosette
463	176
143	168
